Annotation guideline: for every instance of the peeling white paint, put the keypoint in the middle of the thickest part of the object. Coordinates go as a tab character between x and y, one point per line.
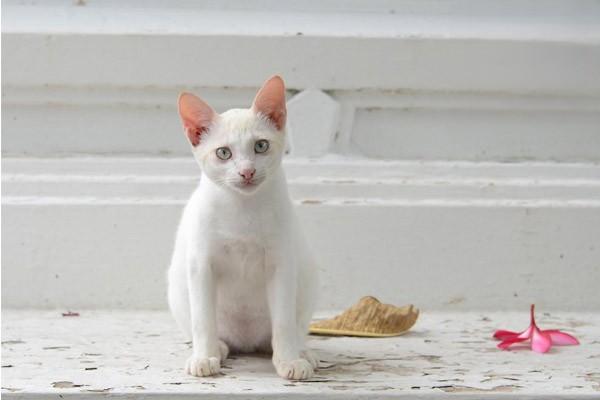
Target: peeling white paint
142	353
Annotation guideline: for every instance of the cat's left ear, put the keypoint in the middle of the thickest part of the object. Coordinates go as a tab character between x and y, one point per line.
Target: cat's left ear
196	115
270	101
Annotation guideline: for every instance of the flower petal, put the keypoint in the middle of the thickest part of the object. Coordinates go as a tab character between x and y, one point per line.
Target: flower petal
526	334
502	334
506	343
561	338
540	341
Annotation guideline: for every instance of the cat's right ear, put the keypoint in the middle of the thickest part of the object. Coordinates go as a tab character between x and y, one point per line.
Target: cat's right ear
196	115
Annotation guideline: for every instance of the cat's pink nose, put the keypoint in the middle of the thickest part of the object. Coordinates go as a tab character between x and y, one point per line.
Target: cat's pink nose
247	173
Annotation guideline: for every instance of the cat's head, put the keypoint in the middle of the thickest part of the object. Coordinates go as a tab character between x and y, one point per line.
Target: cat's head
240	148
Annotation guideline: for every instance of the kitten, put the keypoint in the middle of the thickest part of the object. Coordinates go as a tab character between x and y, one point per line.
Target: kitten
242	277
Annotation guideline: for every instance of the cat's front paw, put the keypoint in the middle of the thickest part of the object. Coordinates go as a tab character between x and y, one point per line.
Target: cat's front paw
295	369
199	366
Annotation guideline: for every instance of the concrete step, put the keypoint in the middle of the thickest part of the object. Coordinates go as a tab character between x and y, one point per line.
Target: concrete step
403	80
98	44
137	354
97	232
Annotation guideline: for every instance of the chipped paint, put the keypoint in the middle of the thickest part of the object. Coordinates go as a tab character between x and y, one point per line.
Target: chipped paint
445	354
310	201
66	385
469	389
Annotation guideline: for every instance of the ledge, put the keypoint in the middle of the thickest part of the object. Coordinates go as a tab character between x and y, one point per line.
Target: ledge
323	181
540	47
559	21
130	354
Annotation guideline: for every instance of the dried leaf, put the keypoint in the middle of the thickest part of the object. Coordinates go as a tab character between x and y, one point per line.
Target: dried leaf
369	318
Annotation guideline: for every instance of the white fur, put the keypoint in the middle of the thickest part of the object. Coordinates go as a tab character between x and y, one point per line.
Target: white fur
242	276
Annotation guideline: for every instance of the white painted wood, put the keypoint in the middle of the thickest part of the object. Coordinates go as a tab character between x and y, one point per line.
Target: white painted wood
477	134
469	126
67	120
326	179
63	121
312	123
459	80
446	355
550	46
443	235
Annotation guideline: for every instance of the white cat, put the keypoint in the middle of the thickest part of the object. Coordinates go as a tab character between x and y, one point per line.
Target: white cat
242	277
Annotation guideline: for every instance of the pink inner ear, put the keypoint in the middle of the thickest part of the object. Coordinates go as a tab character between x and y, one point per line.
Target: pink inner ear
270	101
196	115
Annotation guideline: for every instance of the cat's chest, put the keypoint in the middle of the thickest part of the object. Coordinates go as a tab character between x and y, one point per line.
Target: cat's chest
241	228
241	258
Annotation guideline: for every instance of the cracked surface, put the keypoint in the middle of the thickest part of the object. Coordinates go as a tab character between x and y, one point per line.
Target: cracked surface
132	353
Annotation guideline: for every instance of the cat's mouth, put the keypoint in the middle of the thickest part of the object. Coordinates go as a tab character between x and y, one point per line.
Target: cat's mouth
248	185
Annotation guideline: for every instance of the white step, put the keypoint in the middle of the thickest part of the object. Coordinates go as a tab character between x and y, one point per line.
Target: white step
137	354
97	232
466	80
139	43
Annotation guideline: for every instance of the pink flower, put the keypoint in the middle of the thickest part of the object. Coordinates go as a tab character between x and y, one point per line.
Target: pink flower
541	341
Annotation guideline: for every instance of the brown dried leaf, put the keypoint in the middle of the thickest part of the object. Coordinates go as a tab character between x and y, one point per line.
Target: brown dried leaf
369	318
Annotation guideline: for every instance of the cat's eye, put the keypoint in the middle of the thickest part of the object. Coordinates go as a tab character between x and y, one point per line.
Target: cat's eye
223	153
261	146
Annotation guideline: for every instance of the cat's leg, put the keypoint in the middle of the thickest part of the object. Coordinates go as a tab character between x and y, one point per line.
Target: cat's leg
281	293
305	352
177	290
179	301
307	283
303	317
206	357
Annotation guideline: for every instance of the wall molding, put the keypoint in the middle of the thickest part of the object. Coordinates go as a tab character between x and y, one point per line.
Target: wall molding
47	120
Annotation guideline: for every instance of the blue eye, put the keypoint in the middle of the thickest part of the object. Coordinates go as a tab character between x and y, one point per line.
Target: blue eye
261	146
223	153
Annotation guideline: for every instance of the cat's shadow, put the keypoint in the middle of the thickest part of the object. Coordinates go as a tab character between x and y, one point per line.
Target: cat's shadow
334	366
331	365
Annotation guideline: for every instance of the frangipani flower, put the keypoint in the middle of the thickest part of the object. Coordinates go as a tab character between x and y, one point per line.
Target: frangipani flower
541	341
